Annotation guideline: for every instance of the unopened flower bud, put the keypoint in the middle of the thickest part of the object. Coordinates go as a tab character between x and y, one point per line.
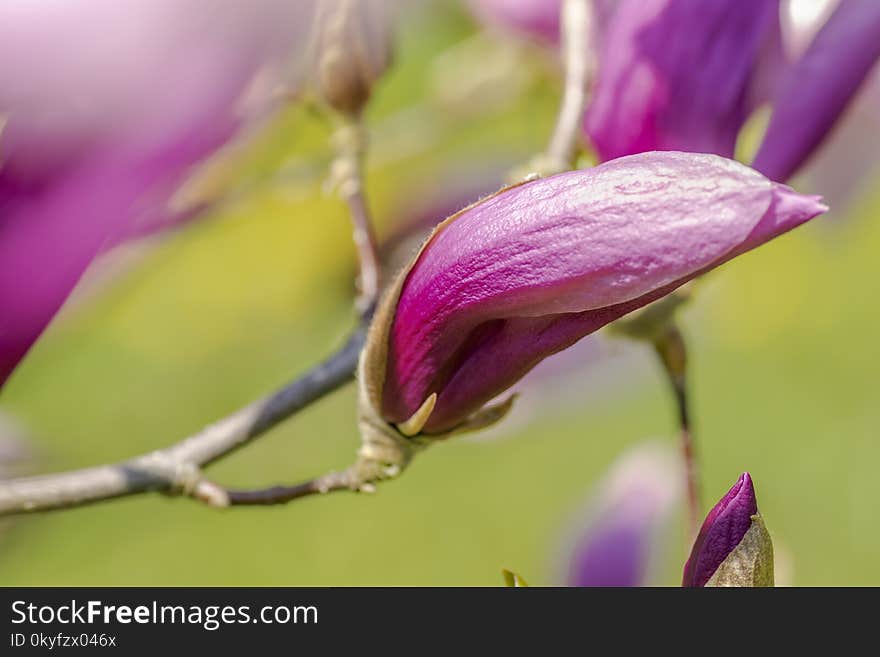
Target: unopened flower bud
733	547
350	51
527	272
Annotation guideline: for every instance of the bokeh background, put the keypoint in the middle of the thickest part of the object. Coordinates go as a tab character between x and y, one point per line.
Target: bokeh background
171	333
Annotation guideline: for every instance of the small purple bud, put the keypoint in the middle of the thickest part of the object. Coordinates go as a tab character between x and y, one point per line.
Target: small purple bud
527	272
722	541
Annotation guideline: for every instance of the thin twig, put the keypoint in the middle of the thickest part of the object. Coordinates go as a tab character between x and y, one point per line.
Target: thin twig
334	481
177	468
348	173
672	351
561	153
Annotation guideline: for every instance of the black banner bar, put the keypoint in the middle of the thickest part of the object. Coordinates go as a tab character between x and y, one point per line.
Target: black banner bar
134	621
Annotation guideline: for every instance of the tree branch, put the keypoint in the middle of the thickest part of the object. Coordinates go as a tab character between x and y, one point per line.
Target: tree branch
177	468
561	152
348	173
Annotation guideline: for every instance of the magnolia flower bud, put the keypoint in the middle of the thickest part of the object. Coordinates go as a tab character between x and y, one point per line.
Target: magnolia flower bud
529	271
106	125
733	547
350	51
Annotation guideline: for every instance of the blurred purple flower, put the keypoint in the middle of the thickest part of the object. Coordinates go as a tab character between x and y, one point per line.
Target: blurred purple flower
682	74
819	87
108	107
733	547
686	74
528	272
536	19
845	163
633	506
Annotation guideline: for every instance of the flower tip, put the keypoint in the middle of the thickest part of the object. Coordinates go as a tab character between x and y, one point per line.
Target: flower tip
740	501
794	208
788	210
818	204
746	490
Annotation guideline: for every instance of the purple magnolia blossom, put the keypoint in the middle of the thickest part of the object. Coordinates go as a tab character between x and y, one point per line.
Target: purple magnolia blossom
819	87
528	272
108	105
723	532
681	74
632	507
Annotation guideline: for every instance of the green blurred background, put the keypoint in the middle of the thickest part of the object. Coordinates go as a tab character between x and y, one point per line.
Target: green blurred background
206	319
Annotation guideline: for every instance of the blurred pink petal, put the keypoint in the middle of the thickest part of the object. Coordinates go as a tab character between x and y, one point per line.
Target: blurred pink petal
109	105
536	19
